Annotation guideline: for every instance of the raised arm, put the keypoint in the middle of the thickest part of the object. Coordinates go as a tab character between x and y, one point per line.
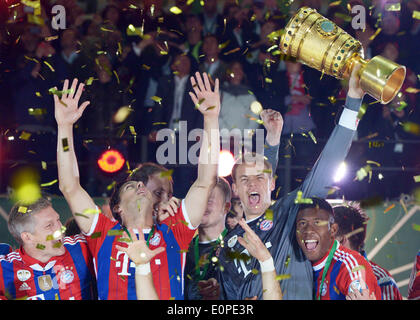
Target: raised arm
320	179
208	102
273	123
67	112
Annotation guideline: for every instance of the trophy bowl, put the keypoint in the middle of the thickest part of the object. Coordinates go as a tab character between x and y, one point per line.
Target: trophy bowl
319	43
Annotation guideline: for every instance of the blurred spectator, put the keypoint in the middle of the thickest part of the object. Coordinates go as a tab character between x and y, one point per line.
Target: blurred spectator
212	20
236	102
212	64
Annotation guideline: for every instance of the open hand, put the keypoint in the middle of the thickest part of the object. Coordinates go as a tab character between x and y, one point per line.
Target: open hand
204	99
253	243
67	110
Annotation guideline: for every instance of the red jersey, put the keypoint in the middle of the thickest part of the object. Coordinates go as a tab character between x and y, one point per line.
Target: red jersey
66	277
386	282
347	269
115	272
414	284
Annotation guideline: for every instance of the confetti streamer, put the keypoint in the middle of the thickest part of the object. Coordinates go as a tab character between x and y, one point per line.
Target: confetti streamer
49	66
47	184
389	208
375	34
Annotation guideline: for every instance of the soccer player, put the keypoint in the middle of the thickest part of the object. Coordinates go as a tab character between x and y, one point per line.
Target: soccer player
414	284
138	252
114	270
47	266
338	271
202	257
275	223
351	234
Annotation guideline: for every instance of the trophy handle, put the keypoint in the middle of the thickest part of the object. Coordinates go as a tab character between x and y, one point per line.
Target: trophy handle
379	77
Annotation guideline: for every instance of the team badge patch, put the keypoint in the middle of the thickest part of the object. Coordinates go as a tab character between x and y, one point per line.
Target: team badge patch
356	285
155	240
45	282
232	241
266	225
67	276
324	289
23	275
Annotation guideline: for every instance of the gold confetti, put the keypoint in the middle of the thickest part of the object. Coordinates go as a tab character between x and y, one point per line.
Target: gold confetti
283	277
375	34
115	233
89	81
416	14
40	246
65	144
335	3
412	90
299	198
269	214
416	178
25	135
416	227
22	209
312	137
175	10
95	235
167	173
156	99
268	80
256	107
411	127
393	6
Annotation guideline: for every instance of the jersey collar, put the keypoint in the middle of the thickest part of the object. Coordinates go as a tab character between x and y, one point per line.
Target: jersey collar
36	264
321	262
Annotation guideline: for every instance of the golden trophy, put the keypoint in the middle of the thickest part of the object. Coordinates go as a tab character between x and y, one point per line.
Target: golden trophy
319	43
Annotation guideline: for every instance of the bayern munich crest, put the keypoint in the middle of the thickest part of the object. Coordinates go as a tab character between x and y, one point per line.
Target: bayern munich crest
155	240
266	225
66	276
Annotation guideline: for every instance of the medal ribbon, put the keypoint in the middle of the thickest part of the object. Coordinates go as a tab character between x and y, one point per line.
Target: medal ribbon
326	267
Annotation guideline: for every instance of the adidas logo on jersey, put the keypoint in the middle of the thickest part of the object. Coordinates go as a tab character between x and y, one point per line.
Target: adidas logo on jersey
24	286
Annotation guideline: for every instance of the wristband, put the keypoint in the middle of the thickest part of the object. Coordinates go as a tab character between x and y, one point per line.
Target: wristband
143	269
267	265
349	119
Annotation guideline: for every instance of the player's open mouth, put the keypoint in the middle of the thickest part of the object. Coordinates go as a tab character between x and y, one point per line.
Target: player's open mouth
311	244
254	198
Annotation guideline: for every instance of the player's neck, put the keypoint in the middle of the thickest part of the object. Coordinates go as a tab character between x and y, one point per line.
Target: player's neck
37	254
210	233
145	221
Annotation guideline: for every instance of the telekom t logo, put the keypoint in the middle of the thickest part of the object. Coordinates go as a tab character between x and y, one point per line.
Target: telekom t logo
123	263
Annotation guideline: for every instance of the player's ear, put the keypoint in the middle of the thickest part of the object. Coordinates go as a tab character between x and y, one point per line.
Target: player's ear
234	189
227	207
26	237
333	229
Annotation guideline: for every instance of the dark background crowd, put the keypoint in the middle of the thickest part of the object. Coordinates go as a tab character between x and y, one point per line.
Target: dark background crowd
135	58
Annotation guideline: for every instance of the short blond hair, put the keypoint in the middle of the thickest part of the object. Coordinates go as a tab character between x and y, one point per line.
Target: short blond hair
251	157
21	217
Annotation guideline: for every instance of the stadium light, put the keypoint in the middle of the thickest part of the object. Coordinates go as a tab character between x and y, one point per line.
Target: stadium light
111	161
226	162
341	172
